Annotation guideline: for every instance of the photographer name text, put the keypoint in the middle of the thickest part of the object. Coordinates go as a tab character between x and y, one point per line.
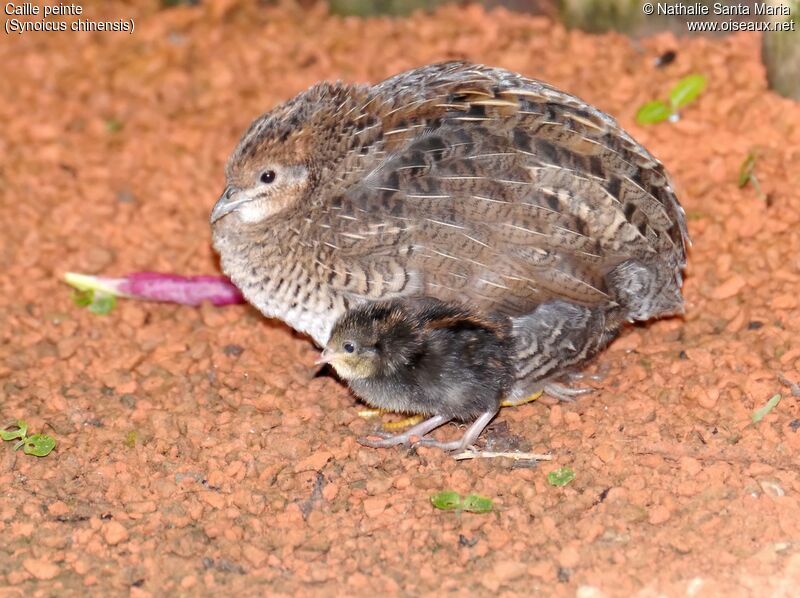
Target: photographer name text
759	9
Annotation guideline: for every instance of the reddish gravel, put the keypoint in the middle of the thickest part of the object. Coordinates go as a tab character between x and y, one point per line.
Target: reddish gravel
198	453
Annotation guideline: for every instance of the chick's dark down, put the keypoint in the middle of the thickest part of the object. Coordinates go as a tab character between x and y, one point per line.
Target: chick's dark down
432	358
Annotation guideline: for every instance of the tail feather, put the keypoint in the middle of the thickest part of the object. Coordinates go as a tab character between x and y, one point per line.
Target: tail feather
644	291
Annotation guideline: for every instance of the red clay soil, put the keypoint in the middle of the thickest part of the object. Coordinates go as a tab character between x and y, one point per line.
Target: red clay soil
199	454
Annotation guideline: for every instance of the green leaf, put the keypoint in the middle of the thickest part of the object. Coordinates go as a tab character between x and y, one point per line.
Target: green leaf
20	432
686	90
447	500
130	439
746	169
102	304
561	476
653	112
476	504
83	298
98	302
759	414
114	125
38	445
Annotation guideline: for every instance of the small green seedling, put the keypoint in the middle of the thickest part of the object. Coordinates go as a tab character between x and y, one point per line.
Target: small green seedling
759	414
446	500
450	500
561	476
746	170
38	445
130	439
97	302
476	504
684	93
20	432
747	174
654	111
114	125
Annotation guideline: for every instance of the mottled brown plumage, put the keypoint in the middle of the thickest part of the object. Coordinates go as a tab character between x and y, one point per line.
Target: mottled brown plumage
460	182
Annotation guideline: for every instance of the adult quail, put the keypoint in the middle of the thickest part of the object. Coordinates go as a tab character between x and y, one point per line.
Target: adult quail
460	182
424	356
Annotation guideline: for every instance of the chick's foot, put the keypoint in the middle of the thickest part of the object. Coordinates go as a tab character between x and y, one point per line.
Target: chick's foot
467	440
418	431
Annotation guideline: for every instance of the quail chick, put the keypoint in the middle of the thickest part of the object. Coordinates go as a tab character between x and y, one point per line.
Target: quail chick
460	182
427	357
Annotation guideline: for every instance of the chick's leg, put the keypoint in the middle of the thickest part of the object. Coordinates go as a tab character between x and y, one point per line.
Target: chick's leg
469	437
417	431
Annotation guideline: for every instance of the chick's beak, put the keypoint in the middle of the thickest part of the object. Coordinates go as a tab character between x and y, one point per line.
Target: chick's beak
326	357
228	202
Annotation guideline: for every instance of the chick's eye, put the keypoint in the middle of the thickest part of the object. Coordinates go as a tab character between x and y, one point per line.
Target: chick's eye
348	347
267	177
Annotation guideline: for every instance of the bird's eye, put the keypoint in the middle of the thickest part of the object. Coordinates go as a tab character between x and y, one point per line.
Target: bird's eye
348	347
267	177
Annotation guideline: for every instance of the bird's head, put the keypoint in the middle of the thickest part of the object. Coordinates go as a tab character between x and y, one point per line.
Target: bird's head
372	340
282	157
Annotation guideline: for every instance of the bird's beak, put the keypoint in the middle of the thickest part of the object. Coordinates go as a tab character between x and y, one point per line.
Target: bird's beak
326	357
228	202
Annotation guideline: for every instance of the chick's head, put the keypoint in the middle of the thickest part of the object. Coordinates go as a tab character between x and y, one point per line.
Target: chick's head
372	340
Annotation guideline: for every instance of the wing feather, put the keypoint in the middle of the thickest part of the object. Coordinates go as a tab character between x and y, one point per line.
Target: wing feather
486	186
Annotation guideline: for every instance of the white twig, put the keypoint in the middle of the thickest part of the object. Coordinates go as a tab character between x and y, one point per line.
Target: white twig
471	454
